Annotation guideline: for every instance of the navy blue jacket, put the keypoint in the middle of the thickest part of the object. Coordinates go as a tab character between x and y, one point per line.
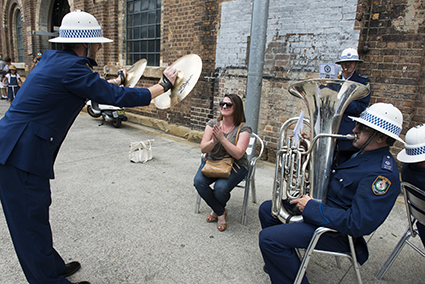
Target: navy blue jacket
55	91
355	108
361	193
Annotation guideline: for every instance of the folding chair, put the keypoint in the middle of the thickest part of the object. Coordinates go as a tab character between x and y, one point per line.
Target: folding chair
311	248
414	199
250	177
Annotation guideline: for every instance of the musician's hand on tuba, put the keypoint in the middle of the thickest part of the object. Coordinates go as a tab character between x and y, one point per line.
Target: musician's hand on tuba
301	202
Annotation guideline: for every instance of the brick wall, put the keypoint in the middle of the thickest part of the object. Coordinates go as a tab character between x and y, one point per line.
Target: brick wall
394	31
300	35
189	27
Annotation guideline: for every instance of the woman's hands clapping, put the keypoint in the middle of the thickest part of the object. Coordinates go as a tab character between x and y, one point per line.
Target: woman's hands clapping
218	134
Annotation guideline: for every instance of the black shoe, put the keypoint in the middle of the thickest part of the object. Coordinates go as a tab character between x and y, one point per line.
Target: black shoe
265	269
71	268
82	282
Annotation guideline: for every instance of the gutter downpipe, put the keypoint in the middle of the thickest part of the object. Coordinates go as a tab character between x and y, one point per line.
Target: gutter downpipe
260	14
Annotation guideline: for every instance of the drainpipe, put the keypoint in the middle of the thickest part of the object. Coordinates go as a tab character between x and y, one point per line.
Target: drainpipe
260	13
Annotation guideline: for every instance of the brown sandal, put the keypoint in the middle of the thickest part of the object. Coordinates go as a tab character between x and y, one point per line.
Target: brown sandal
211	218
222	226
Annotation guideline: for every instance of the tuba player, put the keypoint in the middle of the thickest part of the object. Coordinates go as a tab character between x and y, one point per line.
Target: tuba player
361	194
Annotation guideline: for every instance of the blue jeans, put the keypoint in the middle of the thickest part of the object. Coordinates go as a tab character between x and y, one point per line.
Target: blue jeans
217	198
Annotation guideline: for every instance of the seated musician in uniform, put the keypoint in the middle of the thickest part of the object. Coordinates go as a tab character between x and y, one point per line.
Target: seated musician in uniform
361	194
413	157
349	60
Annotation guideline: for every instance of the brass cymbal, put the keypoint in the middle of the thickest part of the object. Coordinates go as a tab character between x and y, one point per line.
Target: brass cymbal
189	69
134	73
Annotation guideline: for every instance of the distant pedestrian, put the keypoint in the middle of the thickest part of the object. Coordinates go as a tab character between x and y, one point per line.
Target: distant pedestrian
36	60
2	64
13	82
4	69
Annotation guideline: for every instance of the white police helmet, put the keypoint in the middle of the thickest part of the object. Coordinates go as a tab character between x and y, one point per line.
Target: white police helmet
414	148
384	118
349	54
80	27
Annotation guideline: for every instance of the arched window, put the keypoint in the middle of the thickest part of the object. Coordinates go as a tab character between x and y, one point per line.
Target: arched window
143	31
19	37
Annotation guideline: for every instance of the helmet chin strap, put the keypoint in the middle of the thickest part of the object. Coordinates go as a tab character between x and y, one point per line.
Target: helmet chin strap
368	141
88	49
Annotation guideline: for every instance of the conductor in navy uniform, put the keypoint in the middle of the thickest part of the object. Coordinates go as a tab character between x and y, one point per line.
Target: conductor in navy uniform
34	128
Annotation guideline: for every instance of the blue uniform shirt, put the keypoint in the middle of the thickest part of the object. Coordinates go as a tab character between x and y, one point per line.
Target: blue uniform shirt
361	193
55	91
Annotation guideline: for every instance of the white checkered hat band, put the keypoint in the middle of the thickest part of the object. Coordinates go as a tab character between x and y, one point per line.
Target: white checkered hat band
91	33
381	123
349	56
415	151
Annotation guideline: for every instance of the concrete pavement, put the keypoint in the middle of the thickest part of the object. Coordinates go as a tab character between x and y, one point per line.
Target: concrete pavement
135	223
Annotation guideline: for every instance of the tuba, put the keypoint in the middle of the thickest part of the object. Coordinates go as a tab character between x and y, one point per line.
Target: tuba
303	166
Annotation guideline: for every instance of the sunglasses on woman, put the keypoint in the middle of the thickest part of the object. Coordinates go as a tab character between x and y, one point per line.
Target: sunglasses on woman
227	104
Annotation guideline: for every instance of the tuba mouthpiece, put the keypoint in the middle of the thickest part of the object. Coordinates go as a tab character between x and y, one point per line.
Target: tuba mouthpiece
341	72
352	136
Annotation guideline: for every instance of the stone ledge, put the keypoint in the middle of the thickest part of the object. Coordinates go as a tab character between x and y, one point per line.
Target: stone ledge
173	129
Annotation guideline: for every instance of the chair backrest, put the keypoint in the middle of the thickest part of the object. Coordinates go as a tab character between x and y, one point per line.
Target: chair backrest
415	203
250	151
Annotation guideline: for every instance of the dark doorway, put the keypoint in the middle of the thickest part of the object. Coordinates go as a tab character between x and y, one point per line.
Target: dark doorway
59	10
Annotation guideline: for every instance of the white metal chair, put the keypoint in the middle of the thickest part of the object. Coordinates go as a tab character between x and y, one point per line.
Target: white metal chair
250	177
311	248
415	209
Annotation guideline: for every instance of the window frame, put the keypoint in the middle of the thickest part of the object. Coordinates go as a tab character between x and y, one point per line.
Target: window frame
143	31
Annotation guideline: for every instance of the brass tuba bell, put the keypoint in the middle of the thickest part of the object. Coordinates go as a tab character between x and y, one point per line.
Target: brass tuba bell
305	168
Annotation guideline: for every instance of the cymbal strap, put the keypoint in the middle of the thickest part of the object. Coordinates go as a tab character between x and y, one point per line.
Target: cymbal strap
165	83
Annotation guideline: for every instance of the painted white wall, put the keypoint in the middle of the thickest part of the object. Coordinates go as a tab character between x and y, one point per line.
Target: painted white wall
311	31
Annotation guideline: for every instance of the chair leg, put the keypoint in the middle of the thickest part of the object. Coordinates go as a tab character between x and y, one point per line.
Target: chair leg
338	262
307	254
394	254
253	192
198	203
245	202
354	260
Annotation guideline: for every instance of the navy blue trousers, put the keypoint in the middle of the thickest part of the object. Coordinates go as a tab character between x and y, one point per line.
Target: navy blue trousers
217	198
26	199
278	242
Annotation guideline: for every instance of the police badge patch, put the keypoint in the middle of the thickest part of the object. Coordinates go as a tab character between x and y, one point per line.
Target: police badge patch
381	185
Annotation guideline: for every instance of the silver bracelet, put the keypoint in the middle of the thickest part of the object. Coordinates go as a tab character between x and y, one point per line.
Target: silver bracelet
115	82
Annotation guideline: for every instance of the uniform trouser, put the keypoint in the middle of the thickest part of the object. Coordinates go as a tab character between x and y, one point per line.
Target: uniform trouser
217	198
26	199
278	242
